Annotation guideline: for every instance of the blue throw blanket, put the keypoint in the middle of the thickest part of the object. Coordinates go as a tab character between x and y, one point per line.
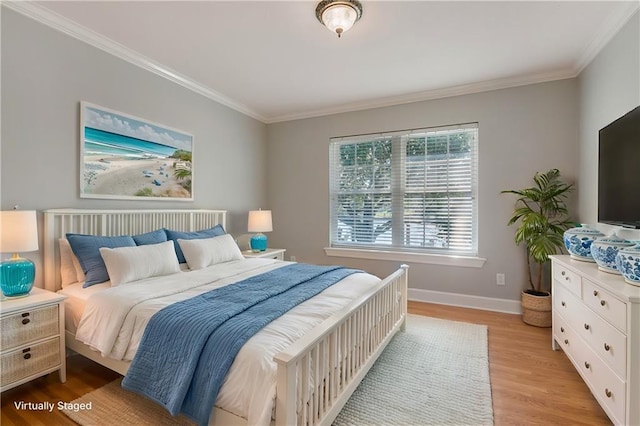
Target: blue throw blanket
188	347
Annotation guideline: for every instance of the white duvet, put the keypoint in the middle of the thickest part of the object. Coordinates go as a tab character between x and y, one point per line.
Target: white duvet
114	319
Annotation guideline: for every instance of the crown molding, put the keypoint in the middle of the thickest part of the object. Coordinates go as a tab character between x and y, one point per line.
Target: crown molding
612	25
465	89
47	17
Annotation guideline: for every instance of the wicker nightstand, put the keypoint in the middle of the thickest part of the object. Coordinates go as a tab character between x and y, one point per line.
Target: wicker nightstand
32	340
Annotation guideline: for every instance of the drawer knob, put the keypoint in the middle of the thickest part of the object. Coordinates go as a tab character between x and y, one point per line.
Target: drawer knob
586	326
587	365
26	321
595	292
27	356
563	273
26	314
607	347
602	303
567	279
566	341
563	304
608	392
562	329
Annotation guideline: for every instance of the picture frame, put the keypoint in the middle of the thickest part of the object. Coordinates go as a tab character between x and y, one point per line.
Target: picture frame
126	157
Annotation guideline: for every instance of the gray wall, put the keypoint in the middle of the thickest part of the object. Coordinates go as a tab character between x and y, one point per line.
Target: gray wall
609	87
45	74
522	130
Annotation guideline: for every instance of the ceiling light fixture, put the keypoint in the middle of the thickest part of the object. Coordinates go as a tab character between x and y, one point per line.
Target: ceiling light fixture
338	15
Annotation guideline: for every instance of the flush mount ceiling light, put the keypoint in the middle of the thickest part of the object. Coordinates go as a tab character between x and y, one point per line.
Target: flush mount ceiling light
338	15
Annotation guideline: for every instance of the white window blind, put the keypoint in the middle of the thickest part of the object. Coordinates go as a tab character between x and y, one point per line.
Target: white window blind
409	190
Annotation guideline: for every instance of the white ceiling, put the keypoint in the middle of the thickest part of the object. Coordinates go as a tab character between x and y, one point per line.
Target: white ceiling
274	61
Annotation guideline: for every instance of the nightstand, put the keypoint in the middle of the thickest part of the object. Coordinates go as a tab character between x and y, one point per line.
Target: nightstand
32	341
270	253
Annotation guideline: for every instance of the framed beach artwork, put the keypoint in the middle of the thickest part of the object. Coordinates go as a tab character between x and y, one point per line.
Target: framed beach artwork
130	158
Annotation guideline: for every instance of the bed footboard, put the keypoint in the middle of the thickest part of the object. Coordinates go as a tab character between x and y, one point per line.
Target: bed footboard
318	373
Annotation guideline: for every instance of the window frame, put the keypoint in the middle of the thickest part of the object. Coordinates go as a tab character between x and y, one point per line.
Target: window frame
398	188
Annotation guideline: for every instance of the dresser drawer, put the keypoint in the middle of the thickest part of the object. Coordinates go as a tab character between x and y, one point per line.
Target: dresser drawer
562	333
568	278
605	305
566	336
27	326
568	305
29	360
607	387
607	341
602	337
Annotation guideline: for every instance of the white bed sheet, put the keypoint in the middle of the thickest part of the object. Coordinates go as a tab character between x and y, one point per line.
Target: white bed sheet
114	319
75	301
77	297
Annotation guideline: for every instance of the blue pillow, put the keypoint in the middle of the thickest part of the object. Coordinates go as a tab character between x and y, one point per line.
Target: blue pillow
87	250
154	237
204	233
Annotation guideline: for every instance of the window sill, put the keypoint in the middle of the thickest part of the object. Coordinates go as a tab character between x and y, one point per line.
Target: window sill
411	257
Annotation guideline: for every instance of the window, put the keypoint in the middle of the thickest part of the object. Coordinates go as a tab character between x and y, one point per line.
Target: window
406	191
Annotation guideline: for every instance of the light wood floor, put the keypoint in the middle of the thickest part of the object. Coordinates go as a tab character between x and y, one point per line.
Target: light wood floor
530	383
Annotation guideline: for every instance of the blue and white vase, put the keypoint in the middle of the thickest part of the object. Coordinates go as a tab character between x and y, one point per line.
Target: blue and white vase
604	251
628	263
578	242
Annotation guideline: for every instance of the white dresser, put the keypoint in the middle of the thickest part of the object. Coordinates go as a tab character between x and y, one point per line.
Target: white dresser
32	338
596	322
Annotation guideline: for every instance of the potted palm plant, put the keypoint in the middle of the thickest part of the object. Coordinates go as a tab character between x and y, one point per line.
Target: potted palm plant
542	217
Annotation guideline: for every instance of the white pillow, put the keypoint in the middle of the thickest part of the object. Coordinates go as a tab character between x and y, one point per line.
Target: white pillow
70	269
127	264
205	252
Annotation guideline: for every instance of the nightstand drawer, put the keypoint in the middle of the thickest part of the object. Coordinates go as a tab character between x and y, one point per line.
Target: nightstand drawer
30	360
27	326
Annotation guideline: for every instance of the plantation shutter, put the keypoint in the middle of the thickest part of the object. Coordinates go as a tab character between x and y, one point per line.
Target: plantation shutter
408	190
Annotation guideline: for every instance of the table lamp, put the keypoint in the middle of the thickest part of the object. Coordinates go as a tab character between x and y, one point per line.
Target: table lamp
18	233
259	221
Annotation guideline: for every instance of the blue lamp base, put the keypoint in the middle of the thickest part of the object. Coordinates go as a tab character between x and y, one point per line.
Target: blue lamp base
16	276
258	243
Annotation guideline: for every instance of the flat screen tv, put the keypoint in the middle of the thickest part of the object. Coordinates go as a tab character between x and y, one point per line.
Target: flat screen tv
619	171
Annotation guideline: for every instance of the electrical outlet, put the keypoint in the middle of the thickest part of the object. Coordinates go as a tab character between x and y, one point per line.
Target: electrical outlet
499	279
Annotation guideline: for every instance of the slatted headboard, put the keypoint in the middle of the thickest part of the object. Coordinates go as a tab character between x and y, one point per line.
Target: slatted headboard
58	222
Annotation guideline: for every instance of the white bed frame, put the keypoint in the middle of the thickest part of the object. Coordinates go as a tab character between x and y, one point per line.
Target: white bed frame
335	355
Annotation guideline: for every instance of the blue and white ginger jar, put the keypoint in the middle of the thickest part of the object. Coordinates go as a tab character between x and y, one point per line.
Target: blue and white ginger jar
578	242
628	263
604	251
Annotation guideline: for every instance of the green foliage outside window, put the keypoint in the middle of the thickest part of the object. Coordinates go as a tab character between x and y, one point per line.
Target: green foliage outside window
365	177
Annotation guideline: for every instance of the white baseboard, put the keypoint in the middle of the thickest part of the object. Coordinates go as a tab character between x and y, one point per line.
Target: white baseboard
466	301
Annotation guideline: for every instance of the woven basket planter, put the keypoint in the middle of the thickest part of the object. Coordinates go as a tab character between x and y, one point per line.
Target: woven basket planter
536	310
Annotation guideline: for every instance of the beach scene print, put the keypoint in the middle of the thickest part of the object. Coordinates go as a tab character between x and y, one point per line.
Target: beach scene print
128	157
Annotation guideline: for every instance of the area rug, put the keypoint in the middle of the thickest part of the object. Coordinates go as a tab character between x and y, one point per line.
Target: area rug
434	373
112	405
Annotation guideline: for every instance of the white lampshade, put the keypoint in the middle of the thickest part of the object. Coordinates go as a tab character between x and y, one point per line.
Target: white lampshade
18	231
260	221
